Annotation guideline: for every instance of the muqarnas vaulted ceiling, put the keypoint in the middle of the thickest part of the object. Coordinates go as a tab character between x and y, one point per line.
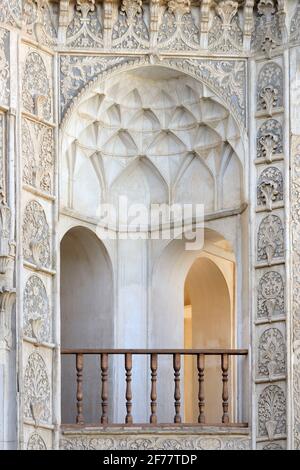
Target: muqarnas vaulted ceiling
155	136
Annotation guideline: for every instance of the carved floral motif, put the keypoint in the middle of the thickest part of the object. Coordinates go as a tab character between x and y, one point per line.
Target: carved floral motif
269	140
36	310
11	12
267	34
178	30
270	88
295	25
271	354
269	187
36	244
225	34
36	390
36	442
85	28
272	412
270	239
226	78
36	92
295	288
130	30
37	155
155	443
40	20
270	296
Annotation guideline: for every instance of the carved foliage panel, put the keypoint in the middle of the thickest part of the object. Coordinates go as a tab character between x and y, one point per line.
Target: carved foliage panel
40	20
295	210
271	352
11	12
36	235
271	411
2	151
37	438
178	28
150	442
270	302
295	25
37	386
269	188
37	155
270	88
225	34
4	67
37	92
270	139
130	31
267	34
36	308
85	27
270	239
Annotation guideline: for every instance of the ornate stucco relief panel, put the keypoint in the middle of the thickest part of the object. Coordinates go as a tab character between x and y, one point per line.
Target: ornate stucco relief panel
226	78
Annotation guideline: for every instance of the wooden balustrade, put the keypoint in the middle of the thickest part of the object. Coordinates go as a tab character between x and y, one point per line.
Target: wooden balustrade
224	354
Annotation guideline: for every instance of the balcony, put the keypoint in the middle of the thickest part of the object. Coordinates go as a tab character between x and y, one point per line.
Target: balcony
227	358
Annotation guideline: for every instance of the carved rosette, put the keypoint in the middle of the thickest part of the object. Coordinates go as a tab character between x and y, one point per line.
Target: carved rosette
272	412
271	354
269	188
36	92
270	240
36	238
36	442
36	310
37	394
270	88
270	296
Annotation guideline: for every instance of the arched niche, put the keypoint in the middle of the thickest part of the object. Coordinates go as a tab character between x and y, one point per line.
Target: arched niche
86	316
205	282
209	323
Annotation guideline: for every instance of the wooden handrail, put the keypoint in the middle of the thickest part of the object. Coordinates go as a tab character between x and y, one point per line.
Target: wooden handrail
153	354
206	352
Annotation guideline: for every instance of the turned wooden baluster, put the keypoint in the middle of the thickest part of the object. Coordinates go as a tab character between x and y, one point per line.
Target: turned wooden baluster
104	391
201	403
176	366
79	393
153	396
128	368
225	395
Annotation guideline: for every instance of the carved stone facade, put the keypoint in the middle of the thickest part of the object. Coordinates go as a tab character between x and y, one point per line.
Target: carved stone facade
169	101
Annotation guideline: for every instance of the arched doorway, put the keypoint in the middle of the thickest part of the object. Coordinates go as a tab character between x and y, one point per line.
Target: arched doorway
86	315
209	323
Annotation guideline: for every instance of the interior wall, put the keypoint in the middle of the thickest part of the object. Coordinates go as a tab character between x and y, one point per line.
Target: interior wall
86	316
